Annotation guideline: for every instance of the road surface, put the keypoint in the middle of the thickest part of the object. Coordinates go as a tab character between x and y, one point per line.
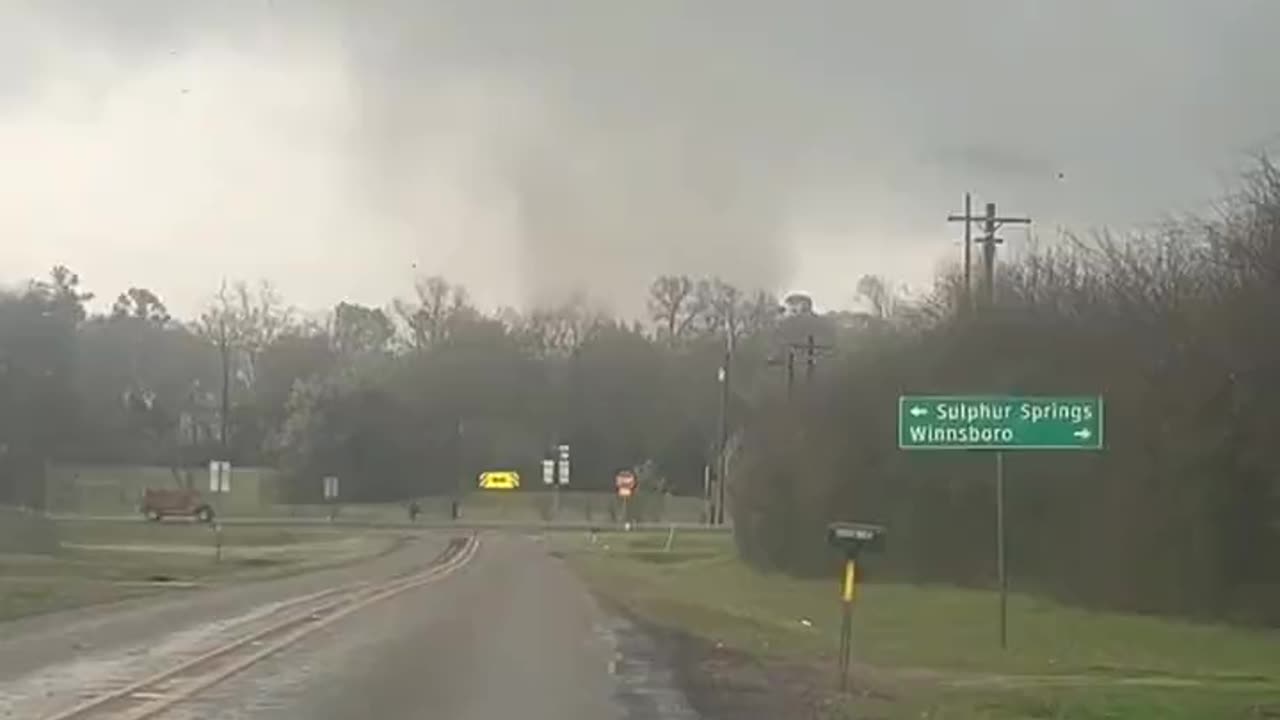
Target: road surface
500	629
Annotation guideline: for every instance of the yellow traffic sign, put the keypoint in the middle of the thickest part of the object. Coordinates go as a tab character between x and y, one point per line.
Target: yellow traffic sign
499	480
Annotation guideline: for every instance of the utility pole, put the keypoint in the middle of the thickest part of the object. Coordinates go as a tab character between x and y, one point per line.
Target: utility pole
789	364
812	350
967	219
224	347
791	371
990	223
722	462
810	363
989	241
459	479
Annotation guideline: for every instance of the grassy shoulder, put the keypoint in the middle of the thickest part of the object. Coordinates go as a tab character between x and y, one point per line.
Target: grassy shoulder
926	651
107	561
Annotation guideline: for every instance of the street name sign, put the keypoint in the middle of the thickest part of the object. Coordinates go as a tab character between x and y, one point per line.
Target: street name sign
562	467
990	422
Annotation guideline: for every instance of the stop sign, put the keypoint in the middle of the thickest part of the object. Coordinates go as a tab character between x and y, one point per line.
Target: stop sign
625	480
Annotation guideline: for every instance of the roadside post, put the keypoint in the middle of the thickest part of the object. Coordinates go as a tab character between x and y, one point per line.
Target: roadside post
219	482
330	489
549	479
851	539
708	506
625	482
562	479
217	541
998	424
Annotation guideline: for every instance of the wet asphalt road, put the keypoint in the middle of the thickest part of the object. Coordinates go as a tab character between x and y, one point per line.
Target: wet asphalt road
512	634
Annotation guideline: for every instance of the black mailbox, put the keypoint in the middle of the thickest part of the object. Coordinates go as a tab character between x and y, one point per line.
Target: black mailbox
853	538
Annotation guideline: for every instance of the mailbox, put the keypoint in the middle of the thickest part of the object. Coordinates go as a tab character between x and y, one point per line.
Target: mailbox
853	538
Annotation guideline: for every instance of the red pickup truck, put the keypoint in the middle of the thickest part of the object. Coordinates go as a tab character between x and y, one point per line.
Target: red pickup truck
157	503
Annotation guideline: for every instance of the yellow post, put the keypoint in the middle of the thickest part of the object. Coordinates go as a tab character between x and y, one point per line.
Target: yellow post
846	621
850	580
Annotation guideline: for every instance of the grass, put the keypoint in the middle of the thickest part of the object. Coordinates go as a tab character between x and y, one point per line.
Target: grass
103	562
935	648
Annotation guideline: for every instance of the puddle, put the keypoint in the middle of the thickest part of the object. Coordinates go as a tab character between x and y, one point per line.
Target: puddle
647	688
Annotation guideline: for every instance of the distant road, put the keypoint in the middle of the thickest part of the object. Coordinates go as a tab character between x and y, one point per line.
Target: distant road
451	627
461	525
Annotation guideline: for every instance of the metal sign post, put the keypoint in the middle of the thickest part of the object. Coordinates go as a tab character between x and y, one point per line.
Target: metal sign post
1000	423
846	620
549	479
625	482
1002	577
217	542
851	539
562	478
562	470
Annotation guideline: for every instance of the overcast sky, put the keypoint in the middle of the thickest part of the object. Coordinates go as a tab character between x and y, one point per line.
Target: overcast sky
530	148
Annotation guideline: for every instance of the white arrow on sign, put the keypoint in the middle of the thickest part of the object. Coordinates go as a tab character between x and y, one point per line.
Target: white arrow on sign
1083	433
917	411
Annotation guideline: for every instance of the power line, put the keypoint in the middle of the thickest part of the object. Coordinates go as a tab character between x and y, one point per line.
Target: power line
991	222
810	350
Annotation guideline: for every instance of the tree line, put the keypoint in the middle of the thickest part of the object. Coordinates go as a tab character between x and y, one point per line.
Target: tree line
410	399
1176	328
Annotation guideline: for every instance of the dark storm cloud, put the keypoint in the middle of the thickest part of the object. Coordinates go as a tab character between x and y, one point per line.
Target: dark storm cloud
594	144
995	161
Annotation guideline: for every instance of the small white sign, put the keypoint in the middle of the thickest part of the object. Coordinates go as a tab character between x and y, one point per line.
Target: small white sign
563	468
331	487
219	476
548	472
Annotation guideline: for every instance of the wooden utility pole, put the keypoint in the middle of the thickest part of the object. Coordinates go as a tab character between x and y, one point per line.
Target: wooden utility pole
791	371
811	350
967	219
990	223
789	366
224	349
722	446
811	357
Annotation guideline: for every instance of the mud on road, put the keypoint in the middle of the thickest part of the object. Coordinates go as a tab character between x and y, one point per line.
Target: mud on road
720	683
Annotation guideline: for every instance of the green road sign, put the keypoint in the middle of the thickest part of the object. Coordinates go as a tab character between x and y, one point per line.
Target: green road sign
980	422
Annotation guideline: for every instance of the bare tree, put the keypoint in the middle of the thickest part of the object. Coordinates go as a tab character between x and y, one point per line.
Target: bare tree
760	313
562	329
240	323
673	307
140	304
429	316
261	318
721	308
